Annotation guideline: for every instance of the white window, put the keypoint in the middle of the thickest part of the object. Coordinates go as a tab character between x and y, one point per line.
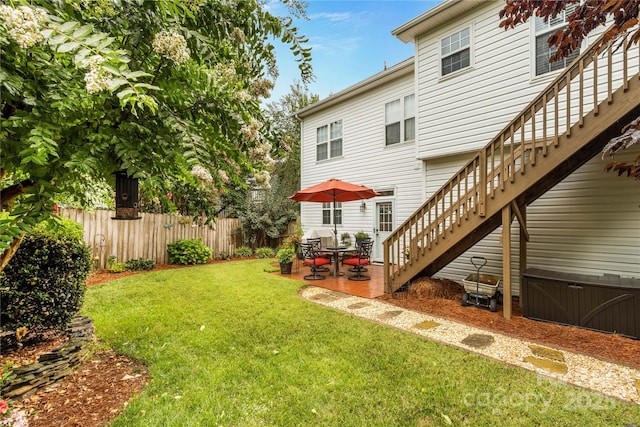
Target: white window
543	52
400	120
455	51
329	141
328	212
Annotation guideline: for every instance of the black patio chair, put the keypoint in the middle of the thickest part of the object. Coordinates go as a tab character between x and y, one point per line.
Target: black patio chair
313	260
361	259
359	241
317	246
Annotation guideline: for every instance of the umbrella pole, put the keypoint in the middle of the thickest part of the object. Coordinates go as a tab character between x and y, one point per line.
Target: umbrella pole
335	226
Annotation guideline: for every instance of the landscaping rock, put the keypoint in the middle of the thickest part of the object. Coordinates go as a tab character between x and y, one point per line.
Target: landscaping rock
54	365
547	353
478	340
390	314
549	365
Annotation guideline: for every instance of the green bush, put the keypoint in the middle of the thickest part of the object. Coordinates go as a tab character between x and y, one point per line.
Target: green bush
60	227
140	264
114	266
243	252
44	283
265	253
188	251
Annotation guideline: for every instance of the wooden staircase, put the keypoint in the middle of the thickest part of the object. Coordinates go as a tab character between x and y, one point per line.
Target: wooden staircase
566	125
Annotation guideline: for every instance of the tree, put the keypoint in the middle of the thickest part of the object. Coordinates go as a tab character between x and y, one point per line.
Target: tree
586	17
167	90
267	218
286	127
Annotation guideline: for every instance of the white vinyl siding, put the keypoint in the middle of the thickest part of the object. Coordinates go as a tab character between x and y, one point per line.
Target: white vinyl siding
542	50
455	50
365	160
498	86
400	120
329	141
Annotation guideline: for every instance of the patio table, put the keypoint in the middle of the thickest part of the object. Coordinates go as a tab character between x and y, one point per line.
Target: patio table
335	252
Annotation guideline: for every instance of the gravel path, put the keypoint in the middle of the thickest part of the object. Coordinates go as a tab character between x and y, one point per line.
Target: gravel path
608	378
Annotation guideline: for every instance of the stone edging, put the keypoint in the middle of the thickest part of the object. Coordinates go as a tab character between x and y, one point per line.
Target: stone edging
52	366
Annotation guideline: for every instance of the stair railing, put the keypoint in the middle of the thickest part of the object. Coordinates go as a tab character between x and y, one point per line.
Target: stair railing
526	140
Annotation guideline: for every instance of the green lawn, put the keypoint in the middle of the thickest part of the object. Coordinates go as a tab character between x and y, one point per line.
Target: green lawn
231	345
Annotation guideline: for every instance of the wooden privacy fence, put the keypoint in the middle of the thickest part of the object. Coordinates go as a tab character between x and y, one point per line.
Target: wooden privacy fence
147	238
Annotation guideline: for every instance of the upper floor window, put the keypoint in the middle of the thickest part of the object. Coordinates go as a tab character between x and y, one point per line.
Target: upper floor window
328	211
400	120
543	52
329	141
455	51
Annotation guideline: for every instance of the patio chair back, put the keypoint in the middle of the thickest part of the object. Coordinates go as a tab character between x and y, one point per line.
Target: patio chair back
313	260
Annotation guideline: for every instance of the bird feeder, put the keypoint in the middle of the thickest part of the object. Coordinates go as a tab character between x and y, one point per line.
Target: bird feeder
126	196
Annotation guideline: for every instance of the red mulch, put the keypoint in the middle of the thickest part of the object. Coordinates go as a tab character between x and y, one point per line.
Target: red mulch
441	298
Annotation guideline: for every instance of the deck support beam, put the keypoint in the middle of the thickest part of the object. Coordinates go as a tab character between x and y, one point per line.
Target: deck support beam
524	239
506	261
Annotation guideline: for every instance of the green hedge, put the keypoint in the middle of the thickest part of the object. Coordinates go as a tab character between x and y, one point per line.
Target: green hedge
44	283
189	251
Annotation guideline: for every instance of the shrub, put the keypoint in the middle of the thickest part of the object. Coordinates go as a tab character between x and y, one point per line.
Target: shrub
286	255
140	264
265	253
224	256
188	251
114	266
243	252
44	283
60	227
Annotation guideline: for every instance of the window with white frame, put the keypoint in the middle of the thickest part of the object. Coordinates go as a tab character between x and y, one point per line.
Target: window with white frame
328	212
543	52
400	120
329	141
455	51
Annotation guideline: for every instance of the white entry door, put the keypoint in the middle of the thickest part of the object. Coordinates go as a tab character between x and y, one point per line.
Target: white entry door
383	228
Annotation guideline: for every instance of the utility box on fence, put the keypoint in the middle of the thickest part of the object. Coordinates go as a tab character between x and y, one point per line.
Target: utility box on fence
605	303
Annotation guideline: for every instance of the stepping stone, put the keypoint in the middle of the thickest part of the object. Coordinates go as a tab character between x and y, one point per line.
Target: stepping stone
427	324
337	295
358	305
547	353
390	314
478	340
546	364
325	297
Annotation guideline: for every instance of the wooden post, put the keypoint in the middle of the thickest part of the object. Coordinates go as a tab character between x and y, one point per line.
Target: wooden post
524	238
506	261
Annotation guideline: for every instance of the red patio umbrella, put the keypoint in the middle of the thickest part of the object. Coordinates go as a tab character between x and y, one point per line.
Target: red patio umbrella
334	190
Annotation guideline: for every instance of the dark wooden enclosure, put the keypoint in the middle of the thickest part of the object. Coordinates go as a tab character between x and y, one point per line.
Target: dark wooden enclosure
126	196
604	303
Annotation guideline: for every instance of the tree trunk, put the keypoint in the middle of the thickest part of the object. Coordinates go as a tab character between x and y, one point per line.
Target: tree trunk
6	256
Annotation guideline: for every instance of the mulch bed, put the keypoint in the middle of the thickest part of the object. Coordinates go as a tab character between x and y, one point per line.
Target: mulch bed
441	298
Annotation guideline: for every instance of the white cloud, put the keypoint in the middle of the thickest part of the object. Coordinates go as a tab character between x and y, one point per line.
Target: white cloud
335	45
333	16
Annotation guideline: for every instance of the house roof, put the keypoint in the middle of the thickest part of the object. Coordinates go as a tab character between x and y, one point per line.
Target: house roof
401	69
443	13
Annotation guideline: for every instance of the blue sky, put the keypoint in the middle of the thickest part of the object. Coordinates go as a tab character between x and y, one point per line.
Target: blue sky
350	41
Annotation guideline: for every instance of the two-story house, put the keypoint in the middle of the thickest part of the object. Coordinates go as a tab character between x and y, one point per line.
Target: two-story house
480	146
